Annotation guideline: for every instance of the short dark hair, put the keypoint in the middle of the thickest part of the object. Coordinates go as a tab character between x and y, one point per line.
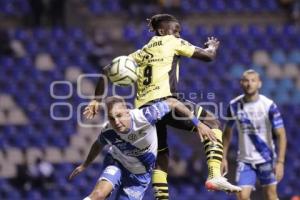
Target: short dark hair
250	71
112	100
155	21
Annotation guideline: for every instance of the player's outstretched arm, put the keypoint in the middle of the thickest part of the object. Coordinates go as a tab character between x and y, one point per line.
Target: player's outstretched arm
202	130
227	135
209	53
94	151
93	108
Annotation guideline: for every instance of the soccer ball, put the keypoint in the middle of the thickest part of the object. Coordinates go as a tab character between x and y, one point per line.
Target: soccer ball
122	71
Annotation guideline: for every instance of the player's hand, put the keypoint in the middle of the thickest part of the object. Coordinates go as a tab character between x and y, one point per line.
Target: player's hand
77	171
279	170
224	167
212	43
206	133
91	110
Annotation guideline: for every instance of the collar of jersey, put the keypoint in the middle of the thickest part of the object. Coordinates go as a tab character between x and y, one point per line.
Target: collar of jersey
250	102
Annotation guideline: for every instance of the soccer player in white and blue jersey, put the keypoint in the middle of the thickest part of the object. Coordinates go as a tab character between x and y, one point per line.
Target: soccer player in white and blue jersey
132	139
258	119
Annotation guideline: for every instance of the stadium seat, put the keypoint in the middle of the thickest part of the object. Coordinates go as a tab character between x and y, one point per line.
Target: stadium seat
294	56
278	57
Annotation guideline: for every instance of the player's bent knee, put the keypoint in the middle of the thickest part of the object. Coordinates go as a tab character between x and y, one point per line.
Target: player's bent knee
162	161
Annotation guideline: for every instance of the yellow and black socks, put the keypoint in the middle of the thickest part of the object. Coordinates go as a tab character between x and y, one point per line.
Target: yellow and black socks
214	154
160	184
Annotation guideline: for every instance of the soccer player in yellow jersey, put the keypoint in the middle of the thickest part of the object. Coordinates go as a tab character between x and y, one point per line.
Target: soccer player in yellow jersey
158	75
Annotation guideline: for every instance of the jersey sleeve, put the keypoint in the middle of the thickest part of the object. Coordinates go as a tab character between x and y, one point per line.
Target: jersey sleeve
230	120
137	56
155	112
101	139
275	117
183	47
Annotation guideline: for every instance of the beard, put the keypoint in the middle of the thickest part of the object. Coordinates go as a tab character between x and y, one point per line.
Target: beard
250	92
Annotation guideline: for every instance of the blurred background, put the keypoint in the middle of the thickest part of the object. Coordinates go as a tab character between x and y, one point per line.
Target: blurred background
45	45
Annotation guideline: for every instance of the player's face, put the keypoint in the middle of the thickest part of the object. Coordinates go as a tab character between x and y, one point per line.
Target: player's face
119	118
250	83
171	28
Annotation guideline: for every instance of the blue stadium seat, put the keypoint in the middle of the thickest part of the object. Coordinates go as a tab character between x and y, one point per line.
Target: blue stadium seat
76	33
32	47
219	31
8	192
53	194
236	6
281	96
294	56
58	34
279	57
52	47
237	70
295	97
7	62
40	34
201	31
187	190
34	194
96	7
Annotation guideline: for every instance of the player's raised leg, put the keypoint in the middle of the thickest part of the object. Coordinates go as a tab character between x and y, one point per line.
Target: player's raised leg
214	155
108	180
213	149
101	191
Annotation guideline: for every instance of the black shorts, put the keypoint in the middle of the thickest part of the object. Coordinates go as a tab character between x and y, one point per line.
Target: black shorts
175	120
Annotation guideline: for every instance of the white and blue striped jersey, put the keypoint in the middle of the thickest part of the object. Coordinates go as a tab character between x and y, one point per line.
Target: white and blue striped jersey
137	149
255	122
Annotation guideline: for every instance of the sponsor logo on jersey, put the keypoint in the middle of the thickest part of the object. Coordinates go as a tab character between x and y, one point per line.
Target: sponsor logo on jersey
137	152
142	133
155	44
112	170
146	55
132	137
156	60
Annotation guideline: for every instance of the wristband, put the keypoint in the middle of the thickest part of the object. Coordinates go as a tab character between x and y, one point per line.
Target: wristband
279	161
195	121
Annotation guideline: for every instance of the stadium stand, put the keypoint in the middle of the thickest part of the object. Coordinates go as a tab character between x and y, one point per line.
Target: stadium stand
27	130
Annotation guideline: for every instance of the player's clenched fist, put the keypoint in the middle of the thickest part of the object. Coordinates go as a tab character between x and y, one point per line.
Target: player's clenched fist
91	110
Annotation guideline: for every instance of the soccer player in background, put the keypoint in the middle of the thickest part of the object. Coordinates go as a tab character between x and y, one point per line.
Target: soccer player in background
158	76
132	137
257	118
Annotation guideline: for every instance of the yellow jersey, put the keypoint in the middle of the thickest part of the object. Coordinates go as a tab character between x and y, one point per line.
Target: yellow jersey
158	67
